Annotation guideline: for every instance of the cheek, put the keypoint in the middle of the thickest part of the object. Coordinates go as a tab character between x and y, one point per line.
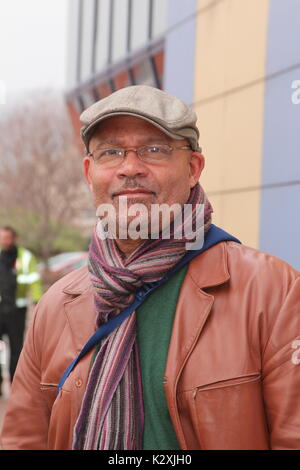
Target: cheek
100	188
176	185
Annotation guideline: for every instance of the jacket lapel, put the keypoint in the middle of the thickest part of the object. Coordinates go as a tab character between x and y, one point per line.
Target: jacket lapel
193	308
80	309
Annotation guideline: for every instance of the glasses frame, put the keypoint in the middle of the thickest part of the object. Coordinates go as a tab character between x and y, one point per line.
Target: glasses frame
137	149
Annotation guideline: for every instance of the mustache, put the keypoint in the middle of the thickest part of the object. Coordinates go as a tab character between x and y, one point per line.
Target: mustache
133	183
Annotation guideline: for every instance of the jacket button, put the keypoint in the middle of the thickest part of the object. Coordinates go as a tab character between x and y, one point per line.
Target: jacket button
78	383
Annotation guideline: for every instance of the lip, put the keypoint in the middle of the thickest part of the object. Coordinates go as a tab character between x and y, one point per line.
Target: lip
134	192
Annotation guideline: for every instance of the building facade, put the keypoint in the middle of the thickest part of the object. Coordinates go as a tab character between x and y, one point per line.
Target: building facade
236	62
113	44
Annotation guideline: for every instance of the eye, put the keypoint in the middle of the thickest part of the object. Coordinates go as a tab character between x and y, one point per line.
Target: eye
153	149
110	152
157	149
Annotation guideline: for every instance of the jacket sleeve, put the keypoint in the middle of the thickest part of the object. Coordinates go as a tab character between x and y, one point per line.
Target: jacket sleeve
281	373
27	417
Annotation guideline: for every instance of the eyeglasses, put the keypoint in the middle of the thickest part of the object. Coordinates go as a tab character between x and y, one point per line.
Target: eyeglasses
147	153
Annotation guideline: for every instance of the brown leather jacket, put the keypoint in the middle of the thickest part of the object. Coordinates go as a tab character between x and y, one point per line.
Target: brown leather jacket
232	377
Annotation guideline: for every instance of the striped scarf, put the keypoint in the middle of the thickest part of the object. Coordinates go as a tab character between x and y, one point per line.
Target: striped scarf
112	415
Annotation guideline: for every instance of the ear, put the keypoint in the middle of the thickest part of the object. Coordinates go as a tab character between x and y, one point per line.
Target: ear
197	163
86	171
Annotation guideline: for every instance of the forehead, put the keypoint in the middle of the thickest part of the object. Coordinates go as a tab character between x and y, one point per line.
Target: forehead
118	127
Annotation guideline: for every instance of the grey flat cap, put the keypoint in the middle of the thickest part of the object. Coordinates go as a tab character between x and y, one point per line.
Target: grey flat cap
167	112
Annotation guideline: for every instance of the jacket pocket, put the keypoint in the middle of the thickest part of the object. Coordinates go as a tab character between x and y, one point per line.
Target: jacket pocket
60	416
229	413
241	379
48	392
48	386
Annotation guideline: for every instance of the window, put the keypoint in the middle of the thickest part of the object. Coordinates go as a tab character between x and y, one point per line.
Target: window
102	46
87	39
140	22
159	19
143	73
88	98
119	27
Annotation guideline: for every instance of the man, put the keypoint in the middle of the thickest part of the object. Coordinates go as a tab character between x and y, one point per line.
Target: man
18	279
209	360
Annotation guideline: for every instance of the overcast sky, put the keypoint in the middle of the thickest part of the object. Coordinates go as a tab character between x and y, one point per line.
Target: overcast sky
33	44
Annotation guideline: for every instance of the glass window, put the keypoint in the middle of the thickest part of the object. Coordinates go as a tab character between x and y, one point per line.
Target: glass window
87	98
120	26
159	19
144	74
158	60
102	49
79	104
139	33
87	38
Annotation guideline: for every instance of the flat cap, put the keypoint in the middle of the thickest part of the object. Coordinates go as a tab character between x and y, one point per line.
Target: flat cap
165	111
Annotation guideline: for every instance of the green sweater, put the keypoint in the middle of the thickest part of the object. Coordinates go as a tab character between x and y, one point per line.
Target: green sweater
154	327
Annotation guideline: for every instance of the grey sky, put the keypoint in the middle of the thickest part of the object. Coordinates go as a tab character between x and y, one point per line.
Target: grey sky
33	44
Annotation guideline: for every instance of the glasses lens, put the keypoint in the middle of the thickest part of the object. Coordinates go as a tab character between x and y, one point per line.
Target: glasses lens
108	156
155	152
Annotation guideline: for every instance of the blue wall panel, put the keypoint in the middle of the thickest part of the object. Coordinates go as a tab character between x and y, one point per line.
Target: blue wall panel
281	233
279	218
283	37
281	153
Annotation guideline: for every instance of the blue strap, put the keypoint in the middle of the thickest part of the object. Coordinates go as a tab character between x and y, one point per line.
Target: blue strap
214	235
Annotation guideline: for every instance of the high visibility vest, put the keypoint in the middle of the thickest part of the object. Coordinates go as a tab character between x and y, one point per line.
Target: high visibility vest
28	278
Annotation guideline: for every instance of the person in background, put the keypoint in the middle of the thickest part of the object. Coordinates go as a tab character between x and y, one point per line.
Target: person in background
19	284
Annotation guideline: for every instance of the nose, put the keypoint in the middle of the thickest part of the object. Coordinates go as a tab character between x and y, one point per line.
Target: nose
132	166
